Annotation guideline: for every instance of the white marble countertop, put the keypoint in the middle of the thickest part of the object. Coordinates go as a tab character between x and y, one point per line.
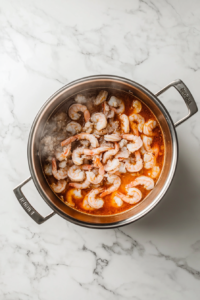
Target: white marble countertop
46	44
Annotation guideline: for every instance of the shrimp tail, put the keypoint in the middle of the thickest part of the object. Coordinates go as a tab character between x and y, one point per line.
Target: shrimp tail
87	115
105	193
68	141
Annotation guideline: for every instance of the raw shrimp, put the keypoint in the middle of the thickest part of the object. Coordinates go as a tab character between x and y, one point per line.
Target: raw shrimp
58	174
73	194
82	136
147	141
137	106
136	139
137	166
84	185
99	120
108	111
91	176
59	187
154	172
124	123
110	153
75	108
73	128
136	118
62	155
48	170
134	195
93	201
146	181
112	137
76	174
112	165
101	97
149	127
118	104
115	181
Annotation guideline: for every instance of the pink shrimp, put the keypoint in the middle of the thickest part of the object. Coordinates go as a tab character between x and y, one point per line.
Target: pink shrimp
68	141
124	123
150	157
58	174
75	108
108	110
134	197
132	147
137	118
96	151
115	181
62	155
91	176
110	153
137	166
101	97
93	201
81	136
137	106
149	127
84	185
86	167
59	186
146	181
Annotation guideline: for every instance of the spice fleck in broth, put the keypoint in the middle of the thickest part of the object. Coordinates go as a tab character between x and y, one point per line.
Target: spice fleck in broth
104	153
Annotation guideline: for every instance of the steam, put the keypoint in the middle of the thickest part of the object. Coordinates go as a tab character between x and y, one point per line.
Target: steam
56	129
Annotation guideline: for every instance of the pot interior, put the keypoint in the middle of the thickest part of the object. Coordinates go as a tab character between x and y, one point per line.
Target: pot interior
65	97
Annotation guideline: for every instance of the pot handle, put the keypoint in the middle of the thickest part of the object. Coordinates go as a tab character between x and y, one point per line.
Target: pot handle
27	206
187	97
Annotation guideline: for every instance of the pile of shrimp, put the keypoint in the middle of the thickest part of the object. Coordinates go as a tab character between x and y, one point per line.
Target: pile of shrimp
98	151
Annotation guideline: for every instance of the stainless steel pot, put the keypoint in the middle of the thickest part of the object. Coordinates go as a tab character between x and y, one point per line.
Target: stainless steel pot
170	139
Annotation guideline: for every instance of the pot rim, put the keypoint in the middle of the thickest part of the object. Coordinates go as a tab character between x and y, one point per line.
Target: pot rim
168	179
